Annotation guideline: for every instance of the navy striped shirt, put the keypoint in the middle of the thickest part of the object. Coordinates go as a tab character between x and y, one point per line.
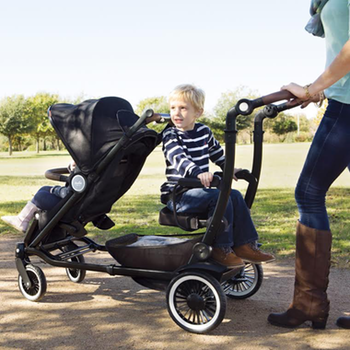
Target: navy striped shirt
187	154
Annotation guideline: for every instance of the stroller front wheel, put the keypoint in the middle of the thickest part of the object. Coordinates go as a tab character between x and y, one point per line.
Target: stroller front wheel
196	302
38	288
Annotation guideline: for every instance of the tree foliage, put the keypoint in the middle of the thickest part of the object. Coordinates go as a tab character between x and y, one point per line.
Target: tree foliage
37	111
226	101
158	104
12	118
321	111
284	125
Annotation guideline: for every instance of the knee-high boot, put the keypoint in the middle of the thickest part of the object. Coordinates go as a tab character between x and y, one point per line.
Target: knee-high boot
312	264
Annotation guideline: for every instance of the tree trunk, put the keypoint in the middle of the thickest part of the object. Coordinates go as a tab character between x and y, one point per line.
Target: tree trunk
44	144
58	147
37	144
10	145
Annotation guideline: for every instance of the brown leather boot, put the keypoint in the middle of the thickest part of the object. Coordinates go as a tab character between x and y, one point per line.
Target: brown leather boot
312	263
251	253
228	259
343	322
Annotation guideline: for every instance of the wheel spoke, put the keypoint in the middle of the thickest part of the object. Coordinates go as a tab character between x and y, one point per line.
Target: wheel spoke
205	317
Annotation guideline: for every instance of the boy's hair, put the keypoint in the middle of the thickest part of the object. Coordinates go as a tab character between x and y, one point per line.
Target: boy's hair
189	93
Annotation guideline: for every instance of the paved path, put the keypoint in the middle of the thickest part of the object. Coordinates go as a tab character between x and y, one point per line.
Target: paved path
107	312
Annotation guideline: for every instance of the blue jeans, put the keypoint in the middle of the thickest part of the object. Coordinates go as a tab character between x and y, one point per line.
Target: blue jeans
45	200
240	228
328	156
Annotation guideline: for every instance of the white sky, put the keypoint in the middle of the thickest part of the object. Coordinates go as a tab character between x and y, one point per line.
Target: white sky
137	48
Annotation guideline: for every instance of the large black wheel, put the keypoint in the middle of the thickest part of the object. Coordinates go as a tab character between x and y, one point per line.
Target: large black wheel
196	302
38	288
75	275
246	283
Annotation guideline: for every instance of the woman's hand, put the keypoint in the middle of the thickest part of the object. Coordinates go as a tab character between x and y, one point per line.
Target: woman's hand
301	93
206	178
296	90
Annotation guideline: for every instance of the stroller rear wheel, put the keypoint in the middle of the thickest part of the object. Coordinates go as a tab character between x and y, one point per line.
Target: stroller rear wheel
245	284
75	275
38	288
196	302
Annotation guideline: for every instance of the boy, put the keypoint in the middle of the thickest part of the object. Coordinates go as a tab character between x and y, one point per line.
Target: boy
187	148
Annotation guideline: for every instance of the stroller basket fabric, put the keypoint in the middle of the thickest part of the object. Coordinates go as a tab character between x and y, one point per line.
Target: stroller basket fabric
151	252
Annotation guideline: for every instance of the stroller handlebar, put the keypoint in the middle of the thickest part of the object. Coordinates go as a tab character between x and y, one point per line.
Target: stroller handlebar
277	96
56	174
158	118
246	106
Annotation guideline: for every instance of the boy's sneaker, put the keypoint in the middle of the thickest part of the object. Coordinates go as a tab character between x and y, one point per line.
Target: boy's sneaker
227	258
251	253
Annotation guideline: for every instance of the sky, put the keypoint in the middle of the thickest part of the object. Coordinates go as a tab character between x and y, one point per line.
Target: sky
143	48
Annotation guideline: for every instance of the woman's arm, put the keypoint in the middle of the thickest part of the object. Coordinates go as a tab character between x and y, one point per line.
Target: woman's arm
336	70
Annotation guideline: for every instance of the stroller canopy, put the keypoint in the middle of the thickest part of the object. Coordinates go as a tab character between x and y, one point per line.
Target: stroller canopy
90	129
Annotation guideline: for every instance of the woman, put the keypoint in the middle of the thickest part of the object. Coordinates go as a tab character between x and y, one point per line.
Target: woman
328	156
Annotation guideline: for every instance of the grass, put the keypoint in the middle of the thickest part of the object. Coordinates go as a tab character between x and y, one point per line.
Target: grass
274	211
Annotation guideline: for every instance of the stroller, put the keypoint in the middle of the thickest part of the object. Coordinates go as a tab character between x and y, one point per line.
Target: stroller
109	145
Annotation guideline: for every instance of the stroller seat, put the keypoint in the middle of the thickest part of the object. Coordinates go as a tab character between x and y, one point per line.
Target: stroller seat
187	221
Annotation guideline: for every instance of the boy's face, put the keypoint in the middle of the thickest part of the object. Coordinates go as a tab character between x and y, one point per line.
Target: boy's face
183	114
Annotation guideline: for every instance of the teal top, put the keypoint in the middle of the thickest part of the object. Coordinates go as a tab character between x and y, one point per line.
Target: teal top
335	20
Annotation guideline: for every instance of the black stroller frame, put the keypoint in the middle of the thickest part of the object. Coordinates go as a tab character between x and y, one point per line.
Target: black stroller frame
195	284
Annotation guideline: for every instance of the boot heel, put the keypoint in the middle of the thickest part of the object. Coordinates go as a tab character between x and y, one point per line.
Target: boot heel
321	324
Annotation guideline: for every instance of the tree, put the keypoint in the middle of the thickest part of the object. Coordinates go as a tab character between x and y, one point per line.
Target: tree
12	118
37	111
321	111
284	125
158	104
225	103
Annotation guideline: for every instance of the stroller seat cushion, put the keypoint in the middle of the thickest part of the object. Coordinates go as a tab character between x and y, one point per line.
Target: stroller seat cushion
187	221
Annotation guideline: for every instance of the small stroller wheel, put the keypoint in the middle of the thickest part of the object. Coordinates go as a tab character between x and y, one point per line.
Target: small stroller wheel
75	275
245	284
38	288
196	302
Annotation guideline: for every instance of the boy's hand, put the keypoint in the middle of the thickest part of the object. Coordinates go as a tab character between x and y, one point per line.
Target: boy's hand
206	178
71	166
236	170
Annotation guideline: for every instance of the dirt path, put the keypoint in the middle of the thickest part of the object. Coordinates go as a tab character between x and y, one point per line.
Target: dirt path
107	312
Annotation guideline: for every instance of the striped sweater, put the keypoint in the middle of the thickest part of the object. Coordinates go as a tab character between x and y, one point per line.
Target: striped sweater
187	154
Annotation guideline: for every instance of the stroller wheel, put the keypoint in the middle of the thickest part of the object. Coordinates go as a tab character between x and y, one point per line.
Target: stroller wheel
246	283
196	302
38	288
75	275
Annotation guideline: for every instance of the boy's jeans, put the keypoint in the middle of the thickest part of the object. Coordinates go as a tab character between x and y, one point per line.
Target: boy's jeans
240	229
328	156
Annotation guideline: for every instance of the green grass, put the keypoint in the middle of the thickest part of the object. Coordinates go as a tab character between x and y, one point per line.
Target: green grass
274	211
